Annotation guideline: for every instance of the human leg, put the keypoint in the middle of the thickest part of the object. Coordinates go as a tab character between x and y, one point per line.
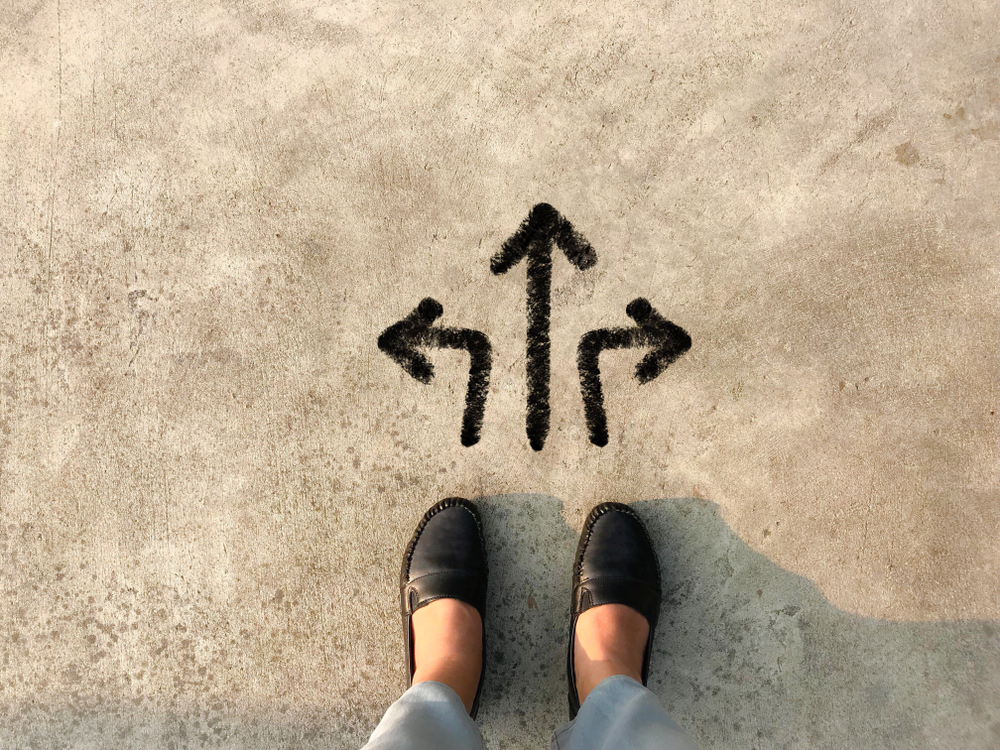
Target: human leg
443	599
448	646
608	640
616	604
429	716
620	714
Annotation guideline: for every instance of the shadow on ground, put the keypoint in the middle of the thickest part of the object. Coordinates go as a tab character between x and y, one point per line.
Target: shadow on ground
748	655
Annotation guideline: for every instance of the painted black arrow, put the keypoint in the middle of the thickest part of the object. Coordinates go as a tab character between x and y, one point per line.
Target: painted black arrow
400	341
533	240
669	342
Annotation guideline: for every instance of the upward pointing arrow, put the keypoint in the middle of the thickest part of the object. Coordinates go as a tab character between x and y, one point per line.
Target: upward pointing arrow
400	342
533	240
669	341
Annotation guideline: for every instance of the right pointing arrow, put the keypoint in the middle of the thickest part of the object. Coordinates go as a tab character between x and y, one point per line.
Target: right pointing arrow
668	341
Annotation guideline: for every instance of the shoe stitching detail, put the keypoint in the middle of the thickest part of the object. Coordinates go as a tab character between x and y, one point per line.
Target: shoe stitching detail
451	502
595	514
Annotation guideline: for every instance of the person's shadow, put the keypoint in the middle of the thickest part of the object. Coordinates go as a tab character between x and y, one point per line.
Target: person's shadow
747	655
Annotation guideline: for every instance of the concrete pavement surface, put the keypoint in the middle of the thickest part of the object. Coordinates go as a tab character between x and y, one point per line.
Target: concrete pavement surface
211	211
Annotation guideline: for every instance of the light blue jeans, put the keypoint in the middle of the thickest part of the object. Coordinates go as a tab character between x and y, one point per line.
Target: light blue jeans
619	714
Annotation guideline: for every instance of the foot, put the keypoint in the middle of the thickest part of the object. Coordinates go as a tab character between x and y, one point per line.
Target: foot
610	640
448	646
616	601
442	592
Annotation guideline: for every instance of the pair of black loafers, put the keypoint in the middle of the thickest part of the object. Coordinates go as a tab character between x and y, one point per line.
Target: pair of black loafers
615	564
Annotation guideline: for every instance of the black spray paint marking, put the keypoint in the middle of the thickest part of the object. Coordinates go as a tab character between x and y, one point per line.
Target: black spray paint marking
669	342
400	341
533	239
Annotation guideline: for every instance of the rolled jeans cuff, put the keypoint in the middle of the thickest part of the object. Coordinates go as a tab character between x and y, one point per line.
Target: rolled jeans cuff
428	716
620	713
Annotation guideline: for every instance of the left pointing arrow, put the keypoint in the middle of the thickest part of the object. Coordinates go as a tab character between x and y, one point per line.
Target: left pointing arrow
400	342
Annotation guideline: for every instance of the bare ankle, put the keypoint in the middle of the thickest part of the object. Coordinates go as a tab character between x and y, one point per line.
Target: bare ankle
448	646
610	640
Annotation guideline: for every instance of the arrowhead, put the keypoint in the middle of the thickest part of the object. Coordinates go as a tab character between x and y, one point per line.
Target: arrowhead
543	227
400	340
669	341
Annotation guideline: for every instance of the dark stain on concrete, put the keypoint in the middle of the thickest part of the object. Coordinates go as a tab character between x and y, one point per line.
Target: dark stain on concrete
871	127
907	154
990	132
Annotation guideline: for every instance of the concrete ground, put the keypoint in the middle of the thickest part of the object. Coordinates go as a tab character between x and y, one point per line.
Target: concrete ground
210	211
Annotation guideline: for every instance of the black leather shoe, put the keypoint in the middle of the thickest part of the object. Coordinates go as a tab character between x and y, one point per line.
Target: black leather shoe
445	559
615	564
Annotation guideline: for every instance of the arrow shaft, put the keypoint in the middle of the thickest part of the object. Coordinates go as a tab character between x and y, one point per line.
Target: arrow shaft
539	345
480	366
534	240
588	363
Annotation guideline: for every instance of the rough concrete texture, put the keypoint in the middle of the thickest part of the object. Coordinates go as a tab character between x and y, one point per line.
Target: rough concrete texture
208	469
